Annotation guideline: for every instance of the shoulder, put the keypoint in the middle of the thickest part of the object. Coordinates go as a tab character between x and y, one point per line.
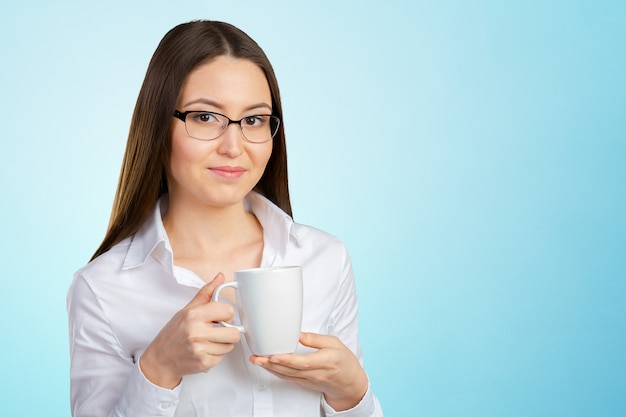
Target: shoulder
309	236
312	234
85	293
321	249
104	267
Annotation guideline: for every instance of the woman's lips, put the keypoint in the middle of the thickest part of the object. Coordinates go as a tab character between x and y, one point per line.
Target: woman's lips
228	171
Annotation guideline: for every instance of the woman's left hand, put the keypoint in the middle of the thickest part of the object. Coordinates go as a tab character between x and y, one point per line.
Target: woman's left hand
332	369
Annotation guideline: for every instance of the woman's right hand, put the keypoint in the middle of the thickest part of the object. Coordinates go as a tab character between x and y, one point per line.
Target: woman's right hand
190	343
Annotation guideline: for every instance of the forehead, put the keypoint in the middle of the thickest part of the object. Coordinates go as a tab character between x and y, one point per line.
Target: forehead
227	81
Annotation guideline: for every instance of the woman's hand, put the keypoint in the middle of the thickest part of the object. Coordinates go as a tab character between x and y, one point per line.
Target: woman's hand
189	343
333	370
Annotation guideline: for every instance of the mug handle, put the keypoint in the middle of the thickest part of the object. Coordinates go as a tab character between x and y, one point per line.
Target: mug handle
216	295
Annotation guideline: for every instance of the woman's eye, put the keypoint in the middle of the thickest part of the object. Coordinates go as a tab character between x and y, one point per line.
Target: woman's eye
205	118
255	121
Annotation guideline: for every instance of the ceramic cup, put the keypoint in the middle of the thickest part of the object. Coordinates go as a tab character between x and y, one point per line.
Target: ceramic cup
269	302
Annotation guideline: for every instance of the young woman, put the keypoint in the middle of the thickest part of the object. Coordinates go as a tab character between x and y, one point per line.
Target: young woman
203	192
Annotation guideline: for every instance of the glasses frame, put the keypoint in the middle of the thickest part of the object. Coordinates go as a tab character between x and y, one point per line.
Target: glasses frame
183	117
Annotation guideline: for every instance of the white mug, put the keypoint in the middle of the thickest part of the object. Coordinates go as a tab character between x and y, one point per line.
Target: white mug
269	302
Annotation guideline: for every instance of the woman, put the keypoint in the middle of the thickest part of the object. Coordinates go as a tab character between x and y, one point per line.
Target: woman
203	192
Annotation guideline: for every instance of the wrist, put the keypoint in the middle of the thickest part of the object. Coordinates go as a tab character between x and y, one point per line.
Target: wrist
339	402
156	374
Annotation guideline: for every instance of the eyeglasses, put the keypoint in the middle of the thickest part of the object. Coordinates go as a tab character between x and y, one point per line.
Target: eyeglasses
207	125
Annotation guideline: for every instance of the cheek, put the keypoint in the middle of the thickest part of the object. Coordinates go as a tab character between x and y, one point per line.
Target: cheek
265	154
262	159
182	154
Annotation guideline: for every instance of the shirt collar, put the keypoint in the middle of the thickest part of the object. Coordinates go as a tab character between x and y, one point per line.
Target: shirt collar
278	227
151	238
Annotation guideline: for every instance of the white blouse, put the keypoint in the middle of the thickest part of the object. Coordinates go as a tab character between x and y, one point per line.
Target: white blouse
119	302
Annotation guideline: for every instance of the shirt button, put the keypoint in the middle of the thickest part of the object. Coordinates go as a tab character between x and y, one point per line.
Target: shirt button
262	387
165	405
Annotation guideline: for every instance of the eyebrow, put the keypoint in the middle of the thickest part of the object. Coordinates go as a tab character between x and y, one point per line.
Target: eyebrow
217	105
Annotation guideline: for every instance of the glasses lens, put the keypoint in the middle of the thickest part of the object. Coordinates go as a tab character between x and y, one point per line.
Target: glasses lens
260	128
205	125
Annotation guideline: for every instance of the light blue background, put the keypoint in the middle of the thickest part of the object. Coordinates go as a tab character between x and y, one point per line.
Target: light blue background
471	155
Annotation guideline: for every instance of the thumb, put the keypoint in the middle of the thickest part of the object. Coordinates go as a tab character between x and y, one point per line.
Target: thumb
318	341
203	296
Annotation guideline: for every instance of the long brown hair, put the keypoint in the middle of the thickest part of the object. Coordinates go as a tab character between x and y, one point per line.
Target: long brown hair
143	176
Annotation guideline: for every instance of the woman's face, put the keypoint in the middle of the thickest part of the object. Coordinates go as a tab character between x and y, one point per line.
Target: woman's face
219	172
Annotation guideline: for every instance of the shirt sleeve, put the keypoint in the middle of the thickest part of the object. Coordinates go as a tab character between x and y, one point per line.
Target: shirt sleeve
105	380
344	321
344	324
368	407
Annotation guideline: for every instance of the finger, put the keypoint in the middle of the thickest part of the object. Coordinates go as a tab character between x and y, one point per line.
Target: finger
205	293
310	361
209	313
299	378
309	378
217	341
216	349
259	360
201	350
319	341
289	368
224	335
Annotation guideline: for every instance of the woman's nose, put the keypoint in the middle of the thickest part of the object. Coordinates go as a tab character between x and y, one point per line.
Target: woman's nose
231	141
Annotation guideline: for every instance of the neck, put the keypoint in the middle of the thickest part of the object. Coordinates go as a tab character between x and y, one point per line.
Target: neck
197	229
